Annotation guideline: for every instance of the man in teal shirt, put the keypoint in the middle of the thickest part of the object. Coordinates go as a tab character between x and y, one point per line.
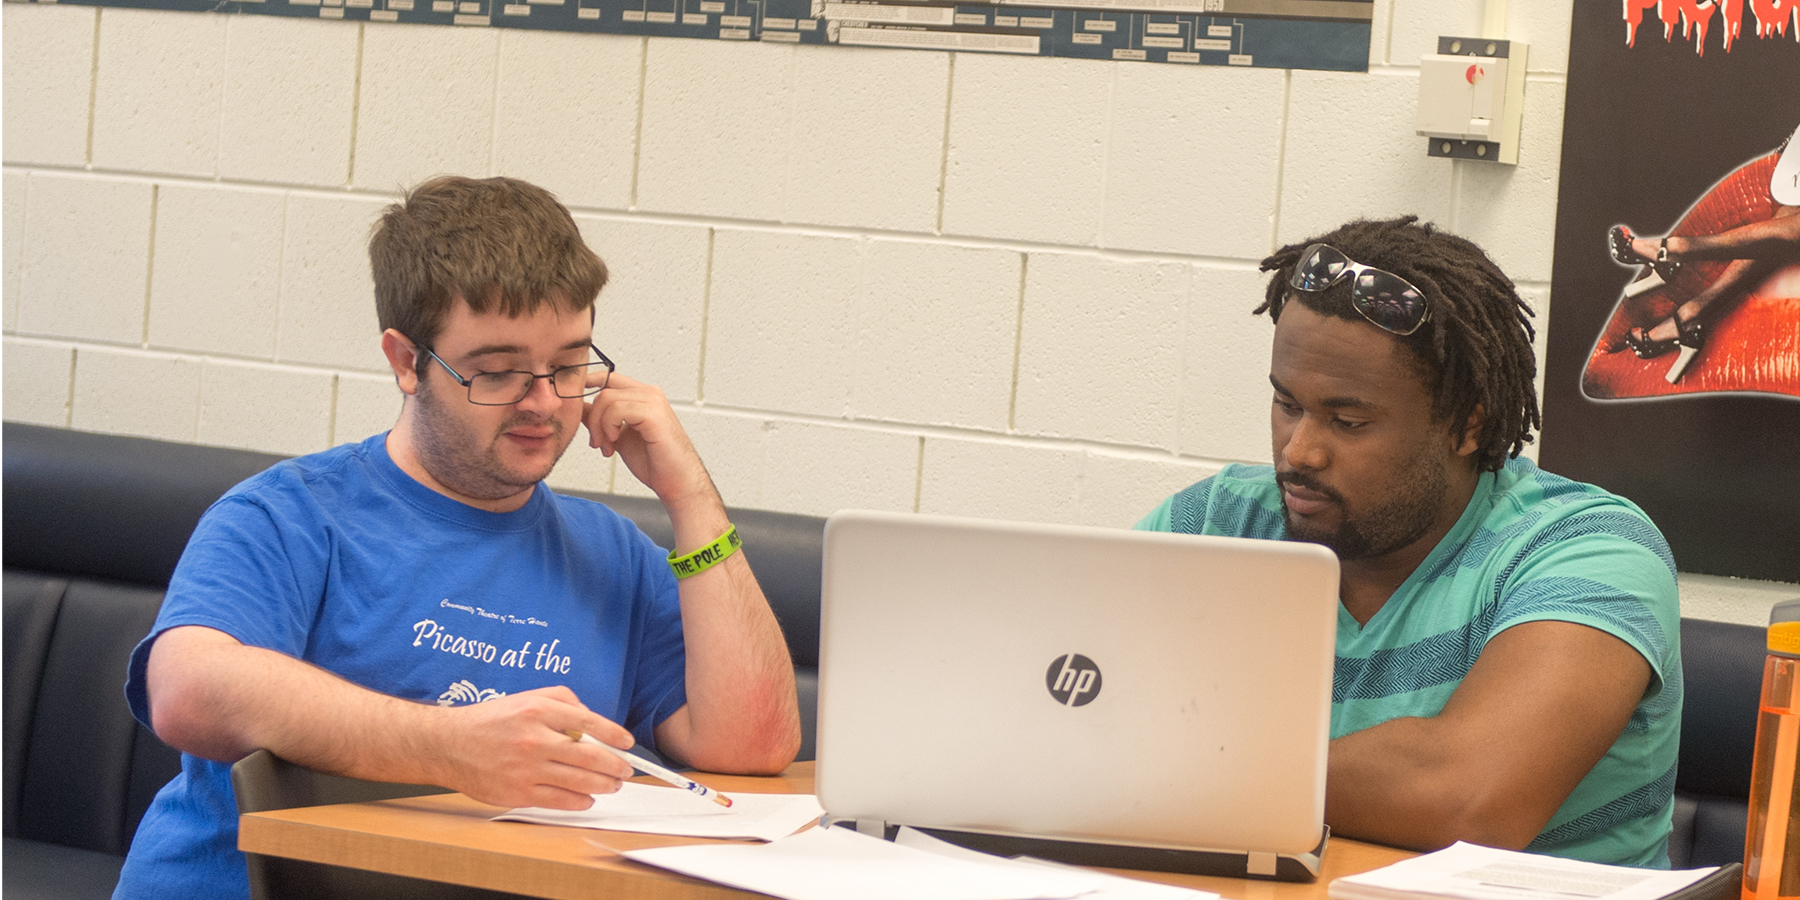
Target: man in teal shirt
1508	651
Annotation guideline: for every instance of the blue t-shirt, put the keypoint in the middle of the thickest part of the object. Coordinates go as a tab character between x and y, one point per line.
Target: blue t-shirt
1530	546
344	561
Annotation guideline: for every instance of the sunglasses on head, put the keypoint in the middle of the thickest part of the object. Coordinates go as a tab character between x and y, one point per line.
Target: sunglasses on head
1388	301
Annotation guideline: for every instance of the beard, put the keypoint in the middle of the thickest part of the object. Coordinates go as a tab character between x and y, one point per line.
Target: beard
470	463
1408	513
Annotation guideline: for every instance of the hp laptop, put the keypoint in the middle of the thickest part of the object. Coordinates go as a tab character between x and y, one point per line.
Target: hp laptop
1096	696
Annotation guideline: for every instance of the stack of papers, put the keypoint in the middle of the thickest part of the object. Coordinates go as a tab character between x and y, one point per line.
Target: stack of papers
652	809
829	863
840	864
1470	872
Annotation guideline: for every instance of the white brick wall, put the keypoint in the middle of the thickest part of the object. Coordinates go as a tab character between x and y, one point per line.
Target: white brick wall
307	70
954	283
218	263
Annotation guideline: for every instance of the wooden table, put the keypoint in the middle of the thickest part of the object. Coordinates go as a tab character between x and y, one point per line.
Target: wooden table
448	838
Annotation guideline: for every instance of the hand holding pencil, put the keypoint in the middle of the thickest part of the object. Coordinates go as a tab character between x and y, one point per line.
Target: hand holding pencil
655	771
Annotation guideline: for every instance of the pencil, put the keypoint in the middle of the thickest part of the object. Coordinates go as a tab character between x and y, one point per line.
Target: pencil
655	771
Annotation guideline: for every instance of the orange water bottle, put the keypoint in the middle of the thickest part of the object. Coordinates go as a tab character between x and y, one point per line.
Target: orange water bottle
1772	836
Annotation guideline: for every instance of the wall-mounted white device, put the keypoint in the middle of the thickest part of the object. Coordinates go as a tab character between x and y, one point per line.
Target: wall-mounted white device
1471	93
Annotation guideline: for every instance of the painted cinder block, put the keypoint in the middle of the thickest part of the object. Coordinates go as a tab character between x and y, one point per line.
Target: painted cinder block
363	405
1544	26
1194	159
1117	491
779	330
733	447
650	317
48	77
1000	480
37	377
157	91
1418	24
936	328
426	105
1352	153
136	392
1225	390
868	138
1100	349
1511	210
86	258
235	407
715	127
13	186
218	261
1027	148
304	68
327	294
820	469
566	116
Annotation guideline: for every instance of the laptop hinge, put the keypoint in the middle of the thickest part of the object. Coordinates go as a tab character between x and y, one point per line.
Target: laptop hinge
876	828
1260	863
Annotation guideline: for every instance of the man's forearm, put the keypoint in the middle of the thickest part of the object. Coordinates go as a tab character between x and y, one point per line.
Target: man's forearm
1404	783
742	714
215	697
1539	708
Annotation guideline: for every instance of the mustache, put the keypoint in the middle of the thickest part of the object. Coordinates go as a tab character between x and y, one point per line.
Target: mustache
530	420
1301	479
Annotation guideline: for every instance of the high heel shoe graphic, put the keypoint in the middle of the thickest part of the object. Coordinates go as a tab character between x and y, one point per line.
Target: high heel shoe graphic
1618	243
1690	336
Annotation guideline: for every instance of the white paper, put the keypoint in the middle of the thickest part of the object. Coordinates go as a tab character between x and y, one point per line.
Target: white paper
839	864
653	809
1104	886
1470	872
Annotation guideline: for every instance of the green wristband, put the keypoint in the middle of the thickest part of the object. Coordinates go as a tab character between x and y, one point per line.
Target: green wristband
706	557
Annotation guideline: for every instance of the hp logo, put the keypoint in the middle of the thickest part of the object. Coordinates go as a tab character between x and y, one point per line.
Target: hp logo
1073	680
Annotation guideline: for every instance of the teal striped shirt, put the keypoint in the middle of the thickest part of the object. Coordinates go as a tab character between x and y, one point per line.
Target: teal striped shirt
1531	546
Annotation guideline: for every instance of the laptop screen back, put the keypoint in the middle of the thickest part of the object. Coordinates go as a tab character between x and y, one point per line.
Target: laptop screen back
1076	683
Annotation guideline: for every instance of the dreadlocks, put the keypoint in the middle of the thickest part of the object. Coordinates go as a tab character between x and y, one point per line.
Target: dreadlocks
1474	350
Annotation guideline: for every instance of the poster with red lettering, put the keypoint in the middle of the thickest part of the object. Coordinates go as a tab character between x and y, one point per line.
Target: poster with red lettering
1672	373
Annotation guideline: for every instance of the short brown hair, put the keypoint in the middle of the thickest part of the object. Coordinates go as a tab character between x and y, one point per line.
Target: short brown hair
498	244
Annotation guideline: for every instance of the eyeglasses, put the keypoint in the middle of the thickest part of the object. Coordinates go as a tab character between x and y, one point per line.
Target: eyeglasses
507	388
1388	301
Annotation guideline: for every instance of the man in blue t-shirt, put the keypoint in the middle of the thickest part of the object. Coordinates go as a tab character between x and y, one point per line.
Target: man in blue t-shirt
1508	651
419	608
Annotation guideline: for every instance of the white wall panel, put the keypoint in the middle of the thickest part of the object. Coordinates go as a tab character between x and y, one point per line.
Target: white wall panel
426	105
85	261
305	69
867	140
37	381
935	331
779	334
1197	176
158	89
154	395
650	317
567	113
48	78
272	409
218	265
1100	353
327	294
1027	157
715	132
